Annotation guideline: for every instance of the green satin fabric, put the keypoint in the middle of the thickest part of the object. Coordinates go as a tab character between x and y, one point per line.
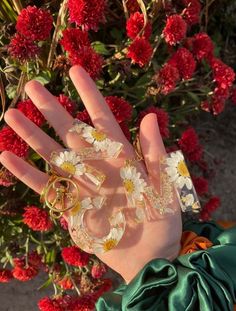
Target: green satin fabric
203	280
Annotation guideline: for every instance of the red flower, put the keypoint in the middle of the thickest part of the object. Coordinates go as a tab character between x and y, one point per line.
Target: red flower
175	29
67	103
202	46
209	208
84	117
132	6
87	13
184	61
28	108
189	144
162	118
84	303
200	184
34	23
23	272
37	219
233	96
191	13
167	78
106	286
140	51
65	283
125	128
5	275
223	75
22	48
215	105
135	24
74	40
55	304
75	256
98	270
121	109
10	141
7	179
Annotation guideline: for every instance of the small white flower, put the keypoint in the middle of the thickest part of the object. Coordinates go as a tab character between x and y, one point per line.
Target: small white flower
69	162
188	200
109	242
178	171
133	183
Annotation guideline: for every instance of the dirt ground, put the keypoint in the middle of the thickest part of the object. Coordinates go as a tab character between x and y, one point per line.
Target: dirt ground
219	138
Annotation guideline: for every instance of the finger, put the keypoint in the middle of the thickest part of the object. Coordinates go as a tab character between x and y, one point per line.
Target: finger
56	115
100	113
31	133
25	172
152	144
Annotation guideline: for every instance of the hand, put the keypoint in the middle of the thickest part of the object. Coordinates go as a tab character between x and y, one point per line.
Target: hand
141	242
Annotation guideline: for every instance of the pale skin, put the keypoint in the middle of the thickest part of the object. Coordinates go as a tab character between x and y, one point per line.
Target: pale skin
141	243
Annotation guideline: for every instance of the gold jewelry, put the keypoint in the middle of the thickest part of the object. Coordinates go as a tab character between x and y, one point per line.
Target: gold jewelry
138	149
62	190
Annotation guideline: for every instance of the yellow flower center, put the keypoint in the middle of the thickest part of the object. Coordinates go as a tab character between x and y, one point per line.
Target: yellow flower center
182	169
68	167
129	185
75	209
109	244
98	136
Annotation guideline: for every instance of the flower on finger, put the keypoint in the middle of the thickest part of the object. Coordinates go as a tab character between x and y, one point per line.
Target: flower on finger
109	242
178	171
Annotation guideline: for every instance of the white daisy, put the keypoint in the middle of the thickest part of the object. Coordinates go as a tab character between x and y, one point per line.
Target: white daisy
69	162
109	242
178	171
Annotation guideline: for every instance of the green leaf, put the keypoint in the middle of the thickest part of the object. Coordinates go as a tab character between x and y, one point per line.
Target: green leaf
194	97
45	284
100	48
11	90
144	79
44	77
35	157
51	256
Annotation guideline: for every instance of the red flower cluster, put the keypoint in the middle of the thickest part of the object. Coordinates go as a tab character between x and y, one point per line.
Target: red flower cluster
98	270
37	219
65	282
25	272
75	256
184	61
189	144
162	118
76	43
202	46
67	103
87	13
140	51
84	303
121	109
135	24
5	275
175	29
200	184
28	108
167	78
209	208
10	141
84	117
22	48
34	23
192	11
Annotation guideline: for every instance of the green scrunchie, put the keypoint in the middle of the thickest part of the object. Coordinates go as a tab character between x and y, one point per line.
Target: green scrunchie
203	280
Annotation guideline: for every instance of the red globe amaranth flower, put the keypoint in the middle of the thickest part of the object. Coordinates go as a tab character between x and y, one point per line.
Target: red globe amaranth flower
84	117
5	275
223	74
202	46
121	109
200	184
192	11
125	128
140	51
87	13
28	108
7	179
162	119
189	144
37	219
233	96
215	105
74	40
64	223
184	61
209	208
221	94
167	78
65	283
175	29
23	272
90	61
132	6
34	23
106	286
67	103
84	303
135	24
75	256
98	270
60	303
22	48
10	141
